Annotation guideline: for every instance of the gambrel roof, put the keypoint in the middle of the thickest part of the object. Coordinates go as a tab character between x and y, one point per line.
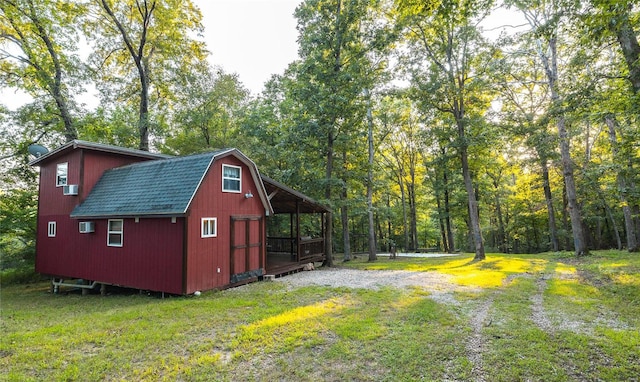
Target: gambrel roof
156	188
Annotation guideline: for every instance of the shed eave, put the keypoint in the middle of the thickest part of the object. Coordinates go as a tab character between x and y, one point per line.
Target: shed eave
80	144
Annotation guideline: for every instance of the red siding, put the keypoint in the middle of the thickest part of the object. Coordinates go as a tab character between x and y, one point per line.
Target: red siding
51	200
150	258
206	255
96	163
154	249
84	169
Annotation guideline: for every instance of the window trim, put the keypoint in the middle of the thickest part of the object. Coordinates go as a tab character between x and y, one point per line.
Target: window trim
238	179
59	182
111	232
52	229
209	223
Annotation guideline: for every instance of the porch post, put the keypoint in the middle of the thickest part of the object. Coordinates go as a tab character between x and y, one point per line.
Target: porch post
298	231
324	235
291	235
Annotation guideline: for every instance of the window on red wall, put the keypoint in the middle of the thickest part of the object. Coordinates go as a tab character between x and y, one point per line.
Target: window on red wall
51	229
61	174
231	176
115	232
209	227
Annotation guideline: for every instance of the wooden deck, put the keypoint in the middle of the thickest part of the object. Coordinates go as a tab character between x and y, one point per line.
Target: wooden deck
286	255
279	264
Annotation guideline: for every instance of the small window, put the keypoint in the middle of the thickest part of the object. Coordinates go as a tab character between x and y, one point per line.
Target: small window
231	178
115	233
51	229
209	227
61	174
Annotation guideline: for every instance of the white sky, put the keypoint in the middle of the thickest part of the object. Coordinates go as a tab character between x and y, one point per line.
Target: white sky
254	38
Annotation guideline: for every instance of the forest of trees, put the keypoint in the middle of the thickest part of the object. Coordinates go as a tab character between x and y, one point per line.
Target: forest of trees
420	123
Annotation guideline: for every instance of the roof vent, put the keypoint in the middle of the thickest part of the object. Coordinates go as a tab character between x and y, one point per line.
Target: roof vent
71	189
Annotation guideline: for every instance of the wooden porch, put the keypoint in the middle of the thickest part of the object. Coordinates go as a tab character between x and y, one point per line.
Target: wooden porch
288	250
286	255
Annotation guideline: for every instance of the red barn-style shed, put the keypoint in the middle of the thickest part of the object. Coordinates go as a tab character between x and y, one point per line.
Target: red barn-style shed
126	217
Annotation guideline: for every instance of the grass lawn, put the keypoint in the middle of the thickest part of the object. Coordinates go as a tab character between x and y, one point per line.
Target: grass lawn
532	317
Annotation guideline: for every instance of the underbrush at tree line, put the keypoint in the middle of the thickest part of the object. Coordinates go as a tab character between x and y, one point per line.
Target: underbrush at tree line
546	317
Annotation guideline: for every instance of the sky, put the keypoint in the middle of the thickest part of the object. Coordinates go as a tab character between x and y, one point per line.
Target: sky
253	38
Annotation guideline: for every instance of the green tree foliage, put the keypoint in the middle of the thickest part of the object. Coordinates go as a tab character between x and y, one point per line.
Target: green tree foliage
448	61
550	32
18	197
329	84
526	120
140	49
38	41
609	24
209	114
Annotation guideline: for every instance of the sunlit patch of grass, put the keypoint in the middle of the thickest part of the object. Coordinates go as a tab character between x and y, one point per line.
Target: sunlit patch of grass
408	299
288	329
488	273
565	270
493	270
571	288
627	279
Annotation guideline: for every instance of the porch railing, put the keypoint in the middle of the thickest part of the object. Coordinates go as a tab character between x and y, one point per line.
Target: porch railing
309	248
276	244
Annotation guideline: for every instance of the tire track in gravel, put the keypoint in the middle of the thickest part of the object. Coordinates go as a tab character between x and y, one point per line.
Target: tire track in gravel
538	313
475	344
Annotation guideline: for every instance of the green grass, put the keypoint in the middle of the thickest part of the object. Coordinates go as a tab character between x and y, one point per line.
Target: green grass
591	307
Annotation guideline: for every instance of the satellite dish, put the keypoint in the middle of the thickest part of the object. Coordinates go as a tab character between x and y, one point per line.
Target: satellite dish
37	150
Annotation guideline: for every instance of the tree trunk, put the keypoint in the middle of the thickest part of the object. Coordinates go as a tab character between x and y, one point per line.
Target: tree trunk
328	251
501	230
413	231
551	69
474	222
372	234
403	200
56	87
389	231
447	211
143	117
548	197
443	232
142	67
632	243
579	240
612	220
344	212
565	219
628	40
344	218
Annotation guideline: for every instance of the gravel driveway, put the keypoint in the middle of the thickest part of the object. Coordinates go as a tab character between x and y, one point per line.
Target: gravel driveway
434	282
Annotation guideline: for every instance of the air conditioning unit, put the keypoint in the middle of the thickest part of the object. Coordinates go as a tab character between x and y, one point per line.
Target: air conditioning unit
71	189
87	227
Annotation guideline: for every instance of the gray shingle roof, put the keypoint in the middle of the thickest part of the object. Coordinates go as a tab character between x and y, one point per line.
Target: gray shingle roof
158	187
